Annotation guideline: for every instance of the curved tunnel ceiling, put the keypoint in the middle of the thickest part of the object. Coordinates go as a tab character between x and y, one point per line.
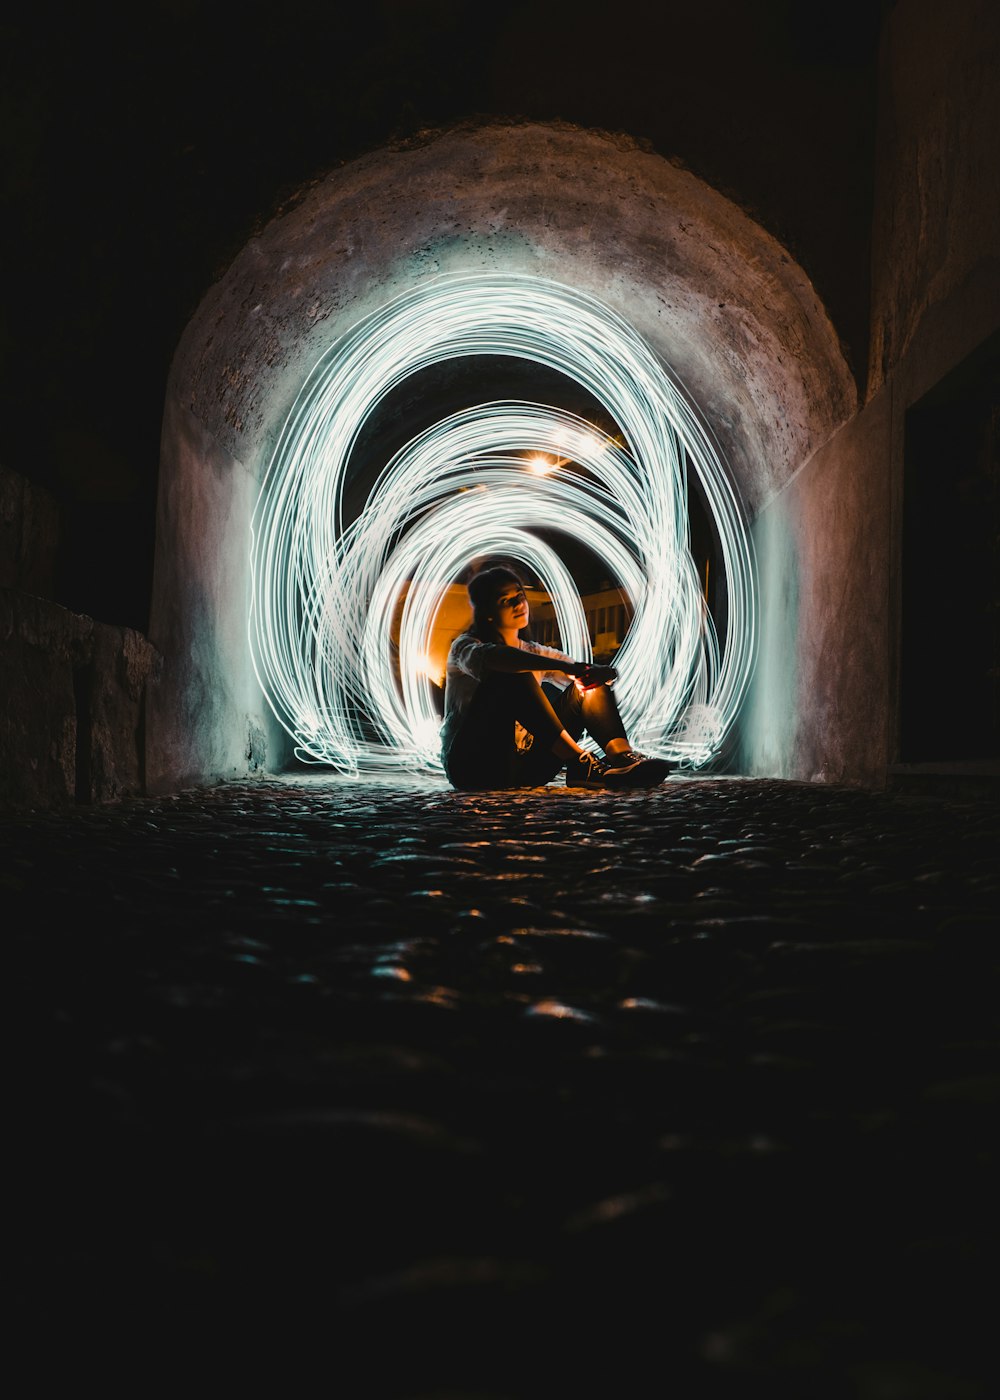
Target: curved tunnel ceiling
718	298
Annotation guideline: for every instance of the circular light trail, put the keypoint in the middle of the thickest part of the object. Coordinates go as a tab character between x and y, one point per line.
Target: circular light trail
332	592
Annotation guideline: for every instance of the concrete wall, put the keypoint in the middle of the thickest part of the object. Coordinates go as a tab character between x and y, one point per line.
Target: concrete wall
936	255
208	719
30	535
719	298
72	691
816	708
825	698
72	724
936	235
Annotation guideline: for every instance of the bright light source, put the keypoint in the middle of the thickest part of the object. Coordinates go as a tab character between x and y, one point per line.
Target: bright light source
540	464
577	444
428	667
325	614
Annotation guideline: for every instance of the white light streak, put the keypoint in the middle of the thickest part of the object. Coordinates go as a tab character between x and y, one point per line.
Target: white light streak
326	588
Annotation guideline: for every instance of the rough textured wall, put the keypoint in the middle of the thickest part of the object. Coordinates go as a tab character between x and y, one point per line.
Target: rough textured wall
207	718
817	705
29	535
716	295
936	236
824	702
72	724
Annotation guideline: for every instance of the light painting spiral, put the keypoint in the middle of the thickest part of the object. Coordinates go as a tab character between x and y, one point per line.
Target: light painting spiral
327	588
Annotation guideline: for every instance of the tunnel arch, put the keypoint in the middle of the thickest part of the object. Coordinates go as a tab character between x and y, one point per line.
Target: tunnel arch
711	292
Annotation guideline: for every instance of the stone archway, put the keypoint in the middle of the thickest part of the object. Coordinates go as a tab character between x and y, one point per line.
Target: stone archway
711	292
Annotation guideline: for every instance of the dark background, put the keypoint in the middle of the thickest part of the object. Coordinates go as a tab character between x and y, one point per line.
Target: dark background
140	153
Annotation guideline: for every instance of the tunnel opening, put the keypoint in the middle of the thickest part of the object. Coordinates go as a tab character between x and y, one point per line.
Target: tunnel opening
708	291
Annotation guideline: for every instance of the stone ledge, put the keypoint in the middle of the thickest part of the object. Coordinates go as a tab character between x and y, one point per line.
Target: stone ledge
72	724
29	534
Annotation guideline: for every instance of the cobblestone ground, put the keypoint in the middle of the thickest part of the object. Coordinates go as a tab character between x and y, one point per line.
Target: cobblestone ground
691	1092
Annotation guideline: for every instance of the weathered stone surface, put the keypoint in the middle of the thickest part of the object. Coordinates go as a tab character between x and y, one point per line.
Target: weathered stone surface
42	647
716	295
74	694
29	535
820	702
207	718
123	665
936	264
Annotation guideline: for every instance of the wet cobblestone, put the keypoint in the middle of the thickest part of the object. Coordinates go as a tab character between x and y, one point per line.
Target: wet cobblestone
692	1091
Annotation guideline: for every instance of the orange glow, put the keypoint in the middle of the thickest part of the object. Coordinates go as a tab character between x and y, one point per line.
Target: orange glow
431	669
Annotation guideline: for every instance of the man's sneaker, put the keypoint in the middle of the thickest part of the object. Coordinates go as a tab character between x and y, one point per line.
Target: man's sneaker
590	771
